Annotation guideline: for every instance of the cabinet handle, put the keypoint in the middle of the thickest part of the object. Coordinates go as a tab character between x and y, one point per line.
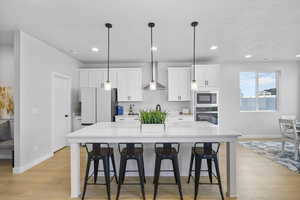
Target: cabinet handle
207	83
129	97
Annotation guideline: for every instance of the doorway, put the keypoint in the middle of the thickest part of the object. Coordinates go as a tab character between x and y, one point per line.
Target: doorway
61	110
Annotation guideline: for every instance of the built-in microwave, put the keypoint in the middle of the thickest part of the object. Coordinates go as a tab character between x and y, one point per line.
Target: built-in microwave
206	99
209	114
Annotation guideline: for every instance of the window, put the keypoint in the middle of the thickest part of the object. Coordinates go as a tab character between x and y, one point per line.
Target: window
258	91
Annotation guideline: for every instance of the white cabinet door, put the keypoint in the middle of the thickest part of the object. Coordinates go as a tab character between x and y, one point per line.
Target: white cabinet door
207	76
113	76
173	90
84	78
179	81
185	84
130	84
98	77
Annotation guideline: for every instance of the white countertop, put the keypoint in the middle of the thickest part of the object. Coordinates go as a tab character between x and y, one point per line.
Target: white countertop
114	132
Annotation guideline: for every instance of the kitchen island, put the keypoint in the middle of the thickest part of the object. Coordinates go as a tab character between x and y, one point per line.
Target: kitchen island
185	133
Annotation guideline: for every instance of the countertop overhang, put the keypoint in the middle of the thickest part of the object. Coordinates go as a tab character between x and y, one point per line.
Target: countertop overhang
184	132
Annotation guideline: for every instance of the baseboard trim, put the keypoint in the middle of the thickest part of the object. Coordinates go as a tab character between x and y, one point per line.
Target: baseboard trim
21	169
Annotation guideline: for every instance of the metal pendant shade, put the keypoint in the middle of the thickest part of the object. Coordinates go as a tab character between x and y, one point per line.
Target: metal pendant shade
154	84
107	83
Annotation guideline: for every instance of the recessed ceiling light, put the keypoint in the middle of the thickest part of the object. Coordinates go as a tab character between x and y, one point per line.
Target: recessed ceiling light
214	47
298	56
248	56
154	48
95	49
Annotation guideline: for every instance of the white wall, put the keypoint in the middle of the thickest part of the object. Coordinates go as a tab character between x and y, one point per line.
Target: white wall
36	63
257	124
6	65
151	98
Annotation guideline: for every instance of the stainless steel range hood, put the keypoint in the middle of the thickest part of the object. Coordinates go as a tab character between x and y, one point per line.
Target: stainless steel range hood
159	86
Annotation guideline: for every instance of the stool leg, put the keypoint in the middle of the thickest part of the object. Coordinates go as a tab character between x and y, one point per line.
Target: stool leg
124	169
197	175
209	169
155	169
144	170
141	175
191	167
121	178
107	175
156	176
96	166
114	166
177	175
86	177
218	176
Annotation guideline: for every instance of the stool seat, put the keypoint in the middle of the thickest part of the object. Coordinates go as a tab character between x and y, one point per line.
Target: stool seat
201	151
166	152
132	152
104	151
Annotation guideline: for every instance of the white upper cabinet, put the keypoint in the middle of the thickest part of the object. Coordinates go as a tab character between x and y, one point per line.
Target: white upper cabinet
179	83
130	84
96	77
84	78
207	76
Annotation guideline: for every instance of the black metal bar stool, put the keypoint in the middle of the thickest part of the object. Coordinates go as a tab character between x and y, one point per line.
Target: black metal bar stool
167	151
209	152
97	152
131	151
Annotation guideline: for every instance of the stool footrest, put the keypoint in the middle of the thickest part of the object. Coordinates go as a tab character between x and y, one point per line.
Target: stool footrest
167	170
131	184
167	184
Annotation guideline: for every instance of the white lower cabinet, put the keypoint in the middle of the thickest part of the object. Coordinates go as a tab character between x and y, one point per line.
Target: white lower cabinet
180	118
179	83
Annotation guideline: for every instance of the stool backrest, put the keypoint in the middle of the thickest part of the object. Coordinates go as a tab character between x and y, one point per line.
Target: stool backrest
129	146
95	147
168	146
208	147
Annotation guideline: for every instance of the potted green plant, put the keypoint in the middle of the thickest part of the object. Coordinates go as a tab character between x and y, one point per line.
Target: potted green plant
152	121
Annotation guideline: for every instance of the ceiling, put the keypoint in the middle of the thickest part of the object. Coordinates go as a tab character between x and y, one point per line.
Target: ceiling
267	29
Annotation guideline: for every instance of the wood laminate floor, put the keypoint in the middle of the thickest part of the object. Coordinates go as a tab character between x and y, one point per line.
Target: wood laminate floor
258	179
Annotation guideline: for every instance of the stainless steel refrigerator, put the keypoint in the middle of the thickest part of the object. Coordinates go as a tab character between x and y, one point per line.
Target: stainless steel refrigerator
98	105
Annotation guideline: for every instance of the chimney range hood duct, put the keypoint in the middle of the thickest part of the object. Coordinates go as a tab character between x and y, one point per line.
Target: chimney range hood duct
159	86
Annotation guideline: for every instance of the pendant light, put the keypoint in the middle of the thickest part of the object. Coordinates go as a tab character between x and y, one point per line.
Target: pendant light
194	85
152	82
107	83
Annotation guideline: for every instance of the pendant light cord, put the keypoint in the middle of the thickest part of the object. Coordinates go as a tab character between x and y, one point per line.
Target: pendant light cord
108	48
194	55
152	54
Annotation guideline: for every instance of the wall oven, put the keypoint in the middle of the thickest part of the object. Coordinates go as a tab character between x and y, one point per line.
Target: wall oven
206	99
209	114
